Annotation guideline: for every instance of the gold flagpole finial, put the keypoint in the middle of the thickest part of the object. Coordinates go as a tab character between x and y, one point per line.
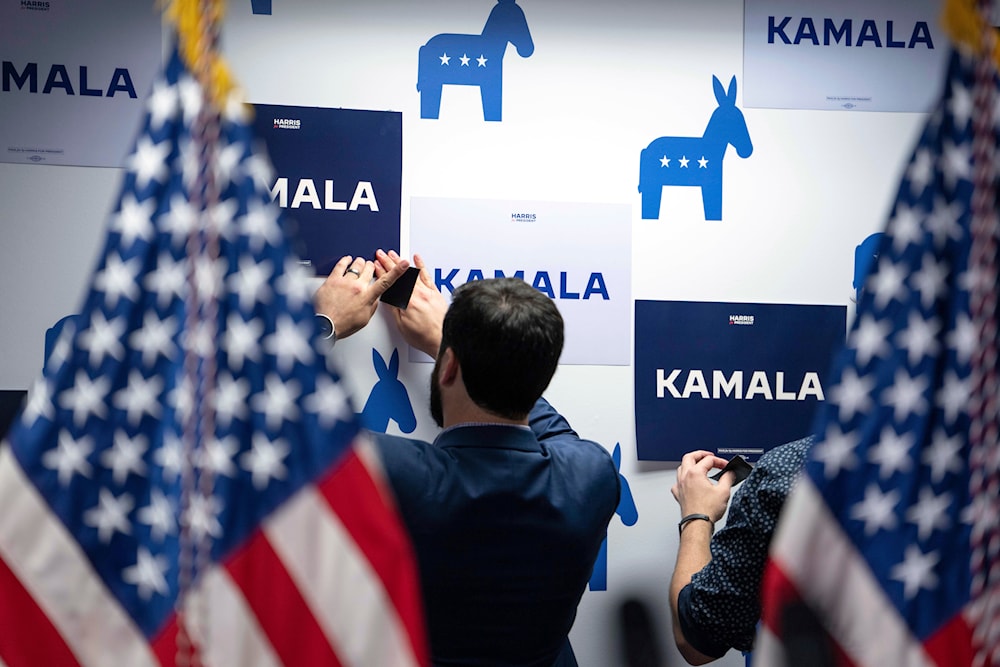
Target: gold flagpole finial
197	23
965	25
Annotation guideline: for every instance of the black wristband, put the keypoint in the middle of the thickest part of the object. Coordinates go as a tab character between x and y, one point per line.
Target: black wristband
695	517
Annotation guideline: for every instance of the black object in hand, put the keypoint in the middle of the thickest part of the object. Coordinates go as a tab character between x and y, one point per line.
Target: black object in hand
739	467
399	292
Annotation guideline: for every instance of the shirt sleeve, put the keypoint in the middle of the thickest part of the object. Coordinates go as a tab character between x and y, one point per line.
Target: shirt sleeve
720	608
545	422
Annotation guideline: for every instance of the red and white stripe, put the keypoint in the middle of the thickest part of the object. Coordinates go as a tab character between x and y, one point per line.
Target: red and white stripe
320	584
812	560
55	609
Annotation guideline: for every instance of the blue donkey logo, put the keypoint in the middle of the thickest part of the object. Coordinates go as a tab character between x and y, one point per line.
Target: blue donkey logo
53	333
695	161
864	258
628	513
388	399
473	60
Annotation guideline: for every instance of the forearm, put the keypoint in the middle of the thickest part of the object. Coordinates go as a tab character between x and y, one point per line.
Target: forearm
693	554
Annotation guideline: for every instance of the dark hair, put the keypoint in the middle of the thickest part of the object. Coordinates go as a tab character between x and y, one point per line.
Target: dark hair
507	337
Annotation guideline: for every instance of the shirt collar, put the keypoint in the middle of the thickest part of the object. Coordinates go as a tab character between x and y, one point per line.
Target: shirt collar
494	436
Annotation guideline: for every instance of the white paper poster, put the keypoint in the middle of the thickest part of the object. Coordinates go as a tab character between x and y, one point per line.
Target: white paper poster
843	54
75	75
578	254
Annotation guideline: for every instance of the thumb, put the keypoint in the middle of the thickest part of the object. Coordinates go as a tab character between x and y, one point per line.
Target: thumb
726	481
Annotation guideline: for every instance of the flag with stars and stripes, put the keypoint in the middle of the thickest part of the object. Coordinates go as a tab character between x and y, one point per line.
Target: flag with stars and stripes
187	482
886	551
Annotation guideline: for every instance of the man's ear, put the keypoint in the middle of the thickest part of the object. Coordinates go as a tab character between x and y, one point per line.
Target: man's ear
448	369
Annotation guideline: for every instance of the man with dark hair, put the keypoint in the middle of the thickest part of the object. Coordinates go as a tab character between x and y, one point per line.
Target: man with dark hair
508	507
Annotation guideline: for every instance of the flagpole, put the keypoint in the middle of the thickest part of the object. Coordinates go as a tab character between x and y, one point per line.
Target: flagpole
985	478
970	24
197	24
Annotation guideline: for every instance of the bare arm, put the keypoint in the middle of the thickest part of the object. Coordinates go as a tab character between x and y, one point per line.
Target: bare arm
696	494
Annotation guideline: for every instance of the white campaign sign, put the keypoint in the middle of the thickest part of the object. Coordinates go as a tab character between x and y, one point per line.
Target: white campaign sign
843	54
579	254
75	75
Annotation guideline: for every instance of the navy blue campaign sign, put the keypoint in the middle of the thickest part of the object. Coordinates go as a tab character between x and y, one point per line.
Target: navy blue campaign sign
473	60
731	378
695	161
339	174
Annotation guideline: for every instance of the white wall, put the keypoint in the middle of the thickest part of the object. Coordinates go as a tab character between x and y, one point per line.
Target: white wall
604	80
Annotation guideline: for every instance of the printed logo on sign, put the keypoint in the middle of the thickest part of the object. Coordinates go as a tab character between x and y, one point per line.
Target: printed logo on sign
695	161
788	30
590	288
59	78
745	320
287	124
523	217
35	5
473	60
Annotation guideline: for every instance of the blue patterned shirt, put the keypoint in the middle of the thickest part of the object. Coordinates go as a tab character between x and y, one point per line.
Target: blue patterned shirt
720	608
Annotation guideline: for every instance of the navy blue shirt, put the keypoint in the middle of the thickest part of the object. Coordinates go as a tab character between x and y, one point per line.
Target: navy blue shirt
506	522
720	608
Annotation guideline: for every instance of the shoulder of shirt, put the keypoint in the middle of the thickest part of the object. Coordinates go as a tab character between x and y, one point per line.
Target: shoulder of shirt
794	451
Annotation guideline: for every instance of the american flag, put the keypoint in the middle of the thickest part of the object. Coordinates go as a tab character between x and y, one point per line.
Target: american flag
187	483
886	551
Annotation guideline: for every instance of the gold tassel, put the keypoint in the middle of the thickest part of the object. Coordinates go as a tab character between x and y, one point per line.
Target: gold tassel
196	23
965	26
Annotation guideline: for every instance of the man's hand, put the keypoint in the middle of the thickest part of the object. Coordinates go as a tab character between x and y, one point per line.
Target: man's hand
422	320
349	296
695	492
